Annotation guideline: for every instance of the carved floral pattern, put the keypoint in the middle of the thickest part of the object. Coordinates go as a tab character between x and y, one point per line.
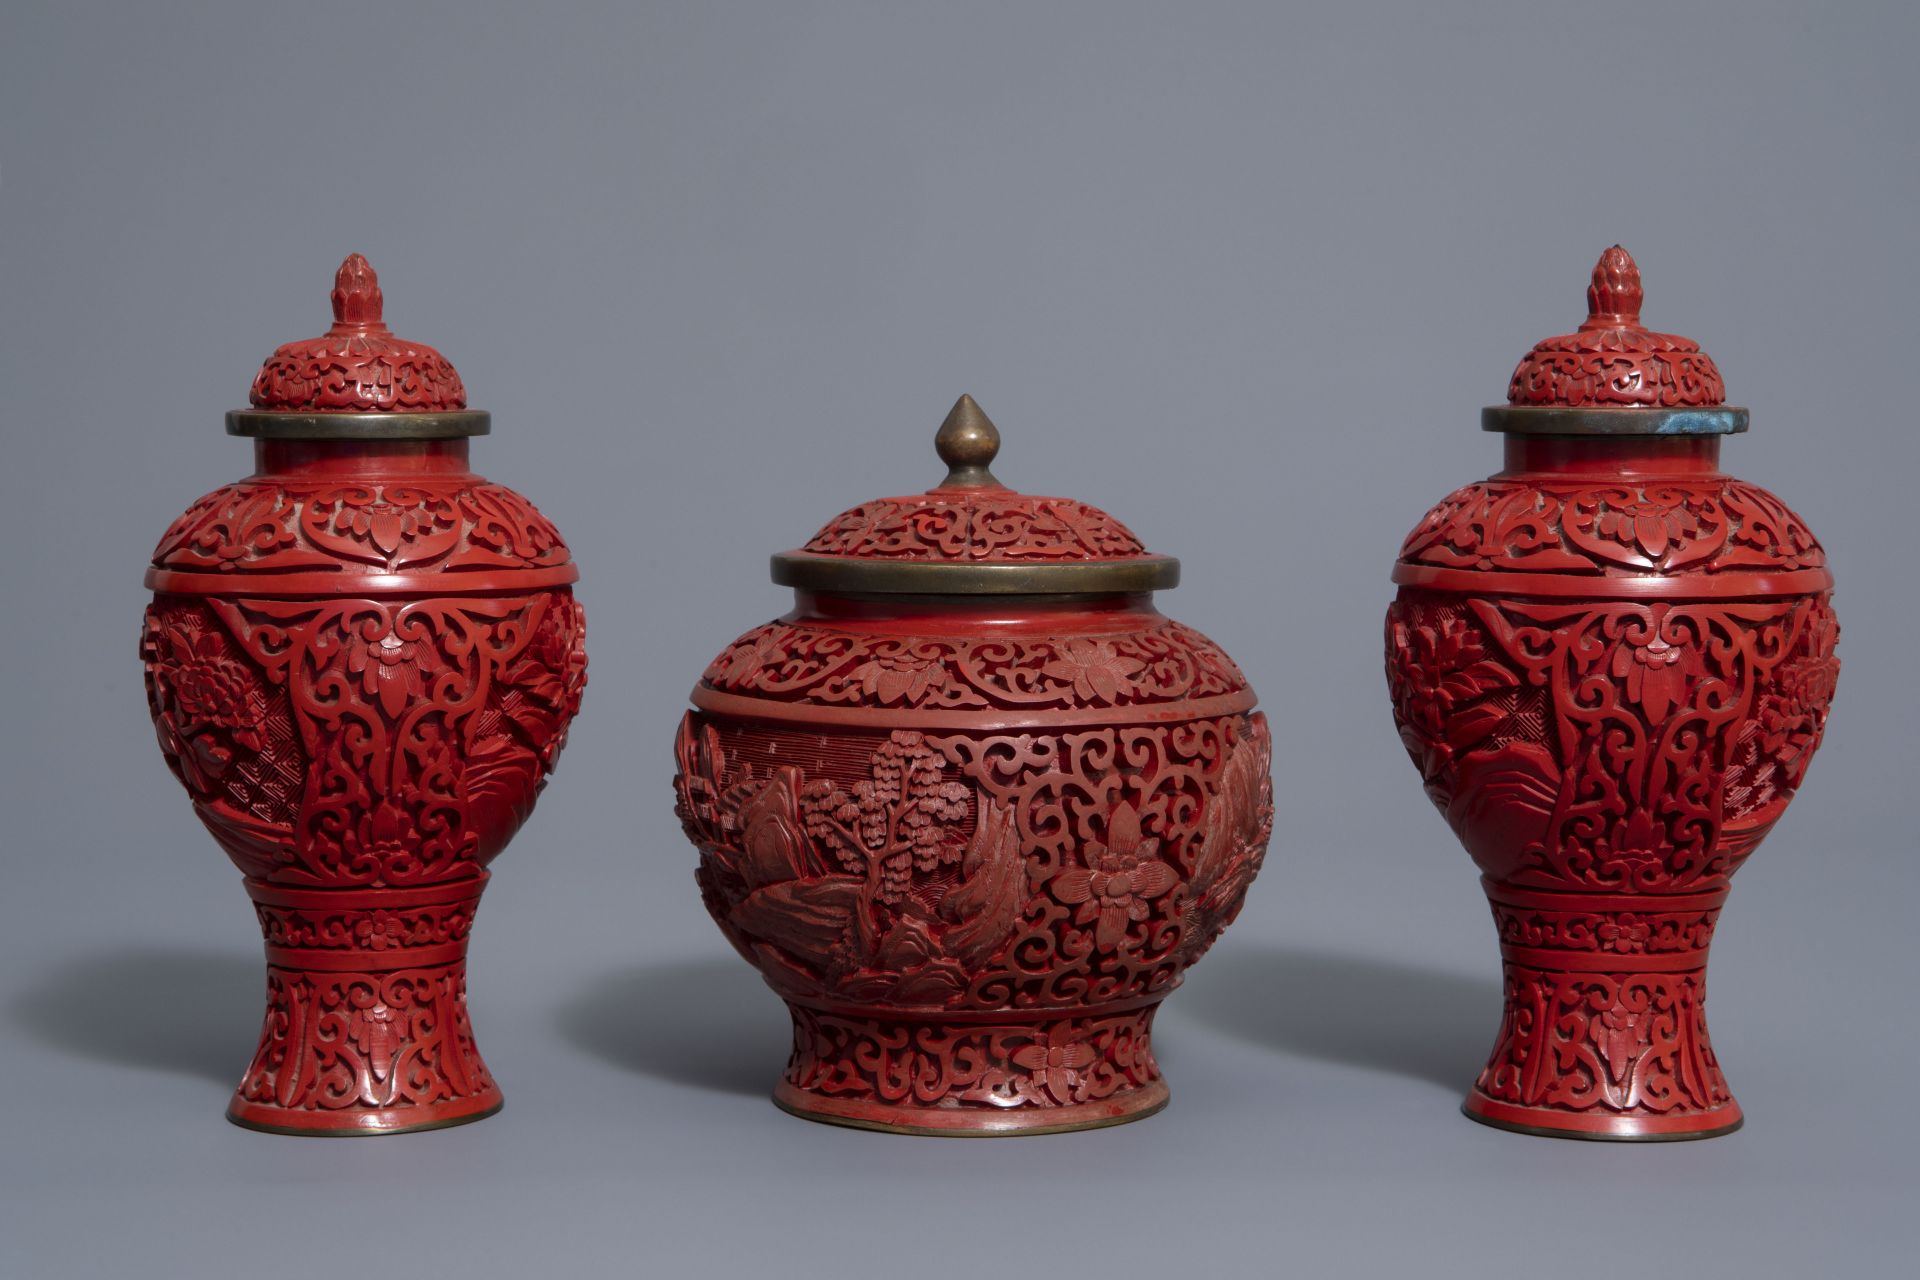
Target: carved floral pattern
986	524
1054	1063
1590	744
359	927
460	523
339	742
334	1041
1614	360
1593	1041
1657	527
1657	930
816	663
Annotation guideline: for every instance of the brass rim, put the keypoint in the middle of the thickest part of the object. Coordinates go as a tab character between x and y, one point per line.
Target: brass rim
263	425
1552	420
1578	1135
921	1131
290	1131
843	575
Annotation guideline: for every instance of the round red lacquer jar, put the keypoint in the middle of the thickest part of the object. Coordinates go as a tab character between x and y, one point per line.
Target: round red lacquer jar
973	806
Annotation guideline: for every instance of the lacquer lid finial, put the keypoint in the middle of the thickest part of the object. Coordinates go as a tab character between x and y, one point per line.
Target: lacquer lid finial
1614	297
357	300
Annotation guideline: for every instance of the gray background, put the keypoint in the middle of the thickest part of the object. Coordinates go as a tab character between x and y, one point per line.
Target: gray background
1244	276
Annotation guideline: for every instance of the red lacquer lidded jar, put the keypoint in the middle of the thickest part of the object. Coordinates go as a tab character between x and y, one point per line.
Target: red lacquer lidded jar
973	806
1612	663
361	662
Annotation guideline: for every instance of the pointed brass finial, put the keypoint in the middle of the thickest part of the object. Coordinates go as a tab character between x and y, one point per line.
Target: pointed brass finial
1614	297
356	293
967	442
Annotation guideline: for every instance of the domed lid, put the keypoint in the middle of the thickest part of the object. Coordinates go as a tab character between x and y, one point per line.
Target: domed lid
1614	376
971	535
357	380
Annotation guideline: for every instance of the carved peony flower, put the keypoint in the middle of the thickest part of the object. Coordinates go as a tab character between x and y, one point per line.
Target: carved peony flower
1119	883
1095	669
210	688
1058	1058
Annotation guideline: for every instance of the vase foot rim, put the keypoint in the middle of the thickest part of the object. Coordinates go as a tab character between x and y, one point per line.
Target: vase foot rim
367	1124
1540	1122
953	1122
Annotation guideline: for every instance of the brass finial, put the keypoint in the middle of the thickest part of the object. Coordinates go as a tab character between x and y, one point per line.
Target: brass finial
967	442
356	293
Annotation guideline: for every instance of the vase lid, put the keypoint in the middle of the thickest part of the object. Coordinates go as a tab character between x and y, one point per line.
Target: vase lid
357	380
971	535
1615	376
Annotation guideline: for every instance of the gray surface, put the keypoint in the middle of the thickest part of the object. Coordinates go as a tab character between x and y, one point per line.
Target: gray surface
1242	276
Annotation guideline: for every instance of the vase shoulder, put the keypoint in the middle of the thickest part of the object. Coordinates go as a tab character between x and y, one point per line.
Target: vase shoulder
1636	533
376	530
1095	666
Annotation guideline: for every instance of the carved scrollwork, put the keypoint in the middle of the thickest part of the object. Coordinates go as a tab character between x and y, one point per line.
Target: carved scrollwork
1058	1063
347	742
820	664
1610	745
1604	1042
1664	526
275	526
335	1041
988	524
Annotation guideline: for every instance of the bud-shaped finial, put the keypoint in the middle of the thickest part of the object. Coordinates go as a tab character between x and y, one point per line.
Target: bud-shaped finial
1614	297
356	293
967	442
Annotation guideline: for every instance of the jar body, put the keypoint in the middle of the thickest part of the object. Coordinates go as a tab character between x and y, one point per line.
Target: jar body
973	845
361	663
1612	664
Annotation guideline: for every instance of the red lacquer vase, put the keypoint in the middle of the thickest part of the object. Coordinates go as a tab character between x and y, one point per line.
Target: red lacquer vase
361	662
973	806
1611	663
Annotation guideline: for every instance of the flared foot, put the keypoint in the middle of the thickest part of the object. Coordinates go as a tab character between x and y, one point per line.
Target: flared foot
1543	1122
1604	1035
998	1077
366	1029
359	1124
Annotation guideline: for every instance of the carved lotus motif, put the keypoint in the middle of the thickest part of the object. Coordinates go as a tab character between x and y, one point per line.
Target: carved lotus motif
1095	670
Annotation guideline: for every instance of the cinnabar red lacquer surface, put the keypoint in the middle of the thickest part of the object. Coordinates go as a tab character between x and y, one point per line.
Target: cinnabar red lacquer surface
1612	664
974	842
361	663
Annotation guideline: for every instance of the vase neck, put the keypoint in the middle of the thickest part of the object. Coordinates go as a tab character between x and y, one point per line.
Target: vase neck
1614	455
931	614
360	457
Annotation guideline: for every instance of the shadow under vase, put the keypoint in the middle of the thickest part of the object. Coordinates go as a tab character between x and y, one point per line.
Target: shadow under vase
1350	1010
